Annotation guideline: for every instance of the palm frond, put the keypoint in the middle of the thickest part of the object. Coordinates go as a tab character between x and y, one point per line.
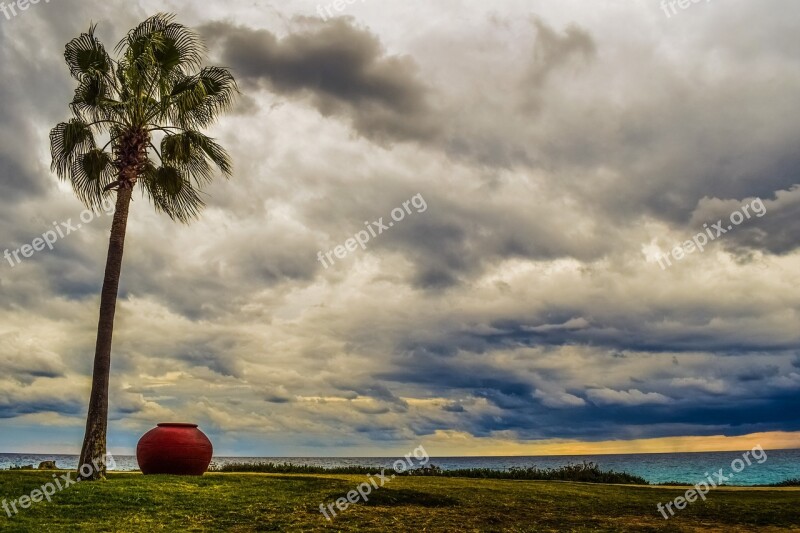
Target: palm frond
94	100
86	56
91	173
122	78
172	193
193	154
196	101
164	42
69	141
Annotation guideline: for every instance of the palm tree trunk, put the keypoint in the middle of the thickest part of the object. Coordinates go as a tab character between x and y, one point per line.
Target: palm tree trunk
94	442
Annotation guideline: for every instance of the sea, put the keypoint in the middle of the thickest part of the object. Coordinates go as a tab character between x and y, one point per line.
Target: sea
687	468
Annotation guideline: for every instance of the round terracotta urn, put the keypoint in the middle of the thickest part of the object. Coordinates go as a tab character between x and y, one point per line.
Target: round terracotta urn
176	449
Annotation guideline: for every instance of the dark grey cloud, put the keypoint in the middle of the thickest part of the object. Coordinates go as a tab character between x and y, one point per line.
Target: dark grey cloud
12	408
758	405
767	224
344	69
21	174
387	400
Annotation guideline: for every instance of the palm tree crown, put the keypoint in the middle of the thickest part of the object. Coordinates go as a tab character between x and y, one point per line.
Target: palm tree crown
157	86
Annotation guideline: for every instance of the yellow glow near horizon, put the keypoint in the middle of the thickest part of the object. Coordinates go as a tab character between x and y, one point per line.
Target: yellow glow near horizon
454	443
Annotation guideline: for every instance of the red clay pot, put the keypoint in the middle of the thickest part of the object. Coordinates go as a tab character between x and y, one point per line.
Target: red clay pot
176	449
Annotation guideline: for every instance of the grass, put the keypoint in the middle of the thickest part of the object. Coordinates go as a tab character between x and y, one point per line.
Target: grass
290	502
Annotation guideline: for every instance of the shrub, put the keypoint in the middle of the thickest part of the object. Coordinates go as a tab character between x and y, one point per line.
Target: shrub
794	482
586	472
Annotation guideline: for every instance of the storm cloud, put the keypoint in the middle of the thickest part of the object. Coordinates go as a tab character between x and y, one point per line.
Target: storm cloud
560	151
343	69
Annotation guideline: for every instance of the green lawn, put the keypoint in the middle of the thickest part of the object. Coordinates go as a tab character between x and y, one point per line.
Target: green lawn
271	502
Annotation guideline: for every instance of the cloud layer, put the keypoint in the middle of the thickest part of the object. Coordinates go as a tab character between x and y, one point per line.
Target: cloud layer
559	150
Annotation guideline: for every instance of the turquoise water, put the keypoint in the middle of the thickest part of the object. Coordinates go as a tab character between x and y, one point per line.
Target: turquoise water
691	468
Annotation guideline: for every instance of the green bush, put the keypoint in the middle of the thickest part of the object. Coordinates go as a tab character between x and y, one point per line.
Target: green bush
586	472
795	482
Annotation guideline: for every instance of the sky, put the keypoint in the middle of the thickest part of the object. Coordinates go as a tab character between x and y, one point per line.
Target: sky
532	182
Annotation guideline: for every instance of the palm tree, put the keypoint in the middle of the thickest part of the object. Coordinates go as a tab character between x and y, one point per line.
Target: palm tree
157	88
